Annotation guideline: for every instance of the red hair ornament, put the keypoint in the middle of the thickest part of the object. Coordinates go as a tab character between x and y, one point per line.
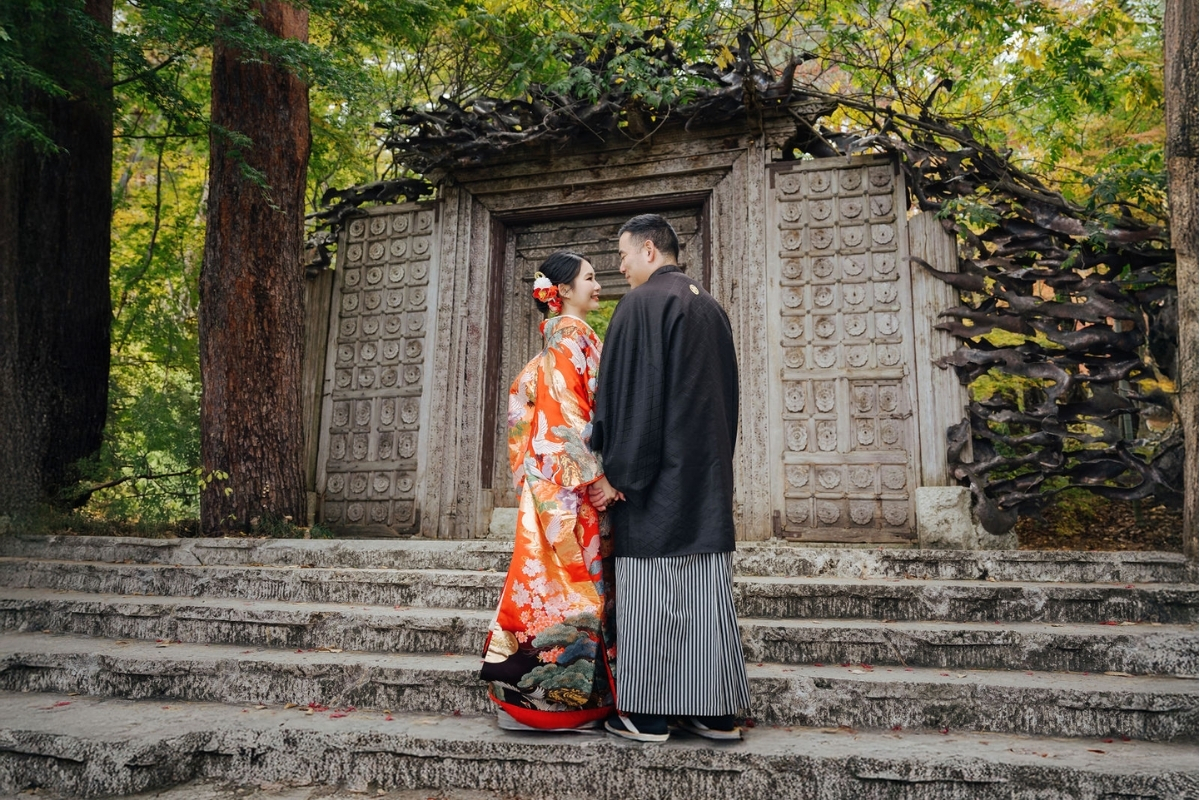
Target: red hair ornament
546	292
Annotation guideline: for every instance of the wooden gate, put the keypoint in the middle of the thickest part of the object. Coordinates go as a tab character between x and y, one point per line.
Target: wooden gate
840	349
370	464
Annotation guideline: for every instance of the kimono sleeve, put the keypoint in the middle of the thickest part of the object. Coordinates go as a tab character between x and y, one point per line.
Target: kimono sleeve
522	402
562	425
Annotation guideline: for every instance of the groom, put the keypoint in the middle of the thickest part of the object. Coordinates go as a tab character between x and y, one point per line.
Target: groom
665	423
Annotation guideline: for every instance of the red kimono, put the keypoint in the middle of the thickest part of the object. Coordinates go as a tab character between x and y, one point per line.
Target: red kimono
550	645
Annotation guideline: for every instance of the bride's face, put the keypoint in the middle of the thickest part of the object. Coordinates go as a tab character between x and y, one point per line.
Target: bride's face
583	294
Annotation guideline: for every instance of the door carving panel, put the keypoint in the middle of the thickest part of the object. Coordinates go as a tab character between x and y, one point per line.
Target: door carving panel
840	345
370	458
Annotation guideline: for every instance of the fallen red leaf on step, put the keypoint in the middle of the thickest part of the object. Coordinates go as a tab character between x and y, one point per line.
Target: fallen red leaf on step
944	731
897	727
388	718
1124	738
336	716
818	664
1107	741
59	704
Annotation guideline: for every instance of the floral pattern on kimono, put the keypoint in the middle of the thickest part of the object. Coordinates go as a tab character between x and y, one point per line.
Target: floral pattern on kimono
550	645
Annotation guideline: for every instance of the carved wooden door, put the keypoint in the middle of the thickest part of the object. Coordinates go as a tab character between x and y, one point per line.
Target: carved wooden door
370	461
527	246
840	341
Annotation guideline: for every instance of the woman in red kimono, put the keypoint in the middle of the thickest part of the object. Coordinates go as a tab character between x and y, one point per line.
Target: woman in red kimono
549	647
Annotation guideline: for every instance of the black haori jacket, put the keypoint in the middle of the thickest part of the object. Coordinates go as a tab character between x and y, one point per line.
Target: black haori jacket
665	419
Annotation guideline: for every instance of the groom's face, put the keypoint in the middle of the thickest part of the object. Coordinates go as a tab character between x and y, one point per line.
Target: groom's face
636	259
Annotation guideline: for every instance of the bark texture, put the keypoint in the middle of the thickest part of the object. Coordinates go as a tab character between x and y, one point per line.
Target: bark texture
55	308
252	287
1183	150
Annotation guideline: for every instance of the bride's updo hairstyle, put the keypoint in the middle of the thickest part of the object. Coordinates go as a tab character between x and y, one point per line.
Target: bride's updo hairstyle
560	267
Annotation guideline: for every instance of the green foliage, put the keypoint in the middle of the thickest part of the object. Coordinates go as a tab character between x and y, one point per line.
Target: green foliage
600	318
274	527
1074	510
42	47
319	531
47	521
1070	89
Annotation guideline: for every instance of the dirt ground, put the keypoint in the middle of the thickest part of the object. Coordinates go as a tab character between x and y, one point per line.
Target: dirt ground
1103	525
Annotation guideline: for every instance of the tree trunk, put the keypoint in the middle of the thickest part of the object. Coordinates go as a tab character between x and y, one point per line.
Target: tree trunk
1183	151
252	288
55	308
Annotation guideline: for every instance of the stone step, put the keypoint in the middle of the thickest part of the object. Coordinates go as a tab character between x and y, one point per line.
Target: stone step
90	747
1033	703
964	601
1052	647
766	559
822	598
1152	648
235	790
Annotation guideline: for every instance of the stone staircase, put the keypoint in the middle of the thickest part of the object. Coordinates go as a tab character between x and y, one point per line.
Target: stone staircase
132	664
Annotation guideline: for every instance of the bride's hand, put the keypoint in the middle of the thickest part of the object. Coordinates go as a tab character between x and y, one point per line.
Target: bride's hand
602	494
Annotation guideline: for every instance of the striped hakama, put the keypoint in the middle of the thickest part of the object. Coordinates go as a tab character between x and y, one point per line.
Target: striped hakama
679	652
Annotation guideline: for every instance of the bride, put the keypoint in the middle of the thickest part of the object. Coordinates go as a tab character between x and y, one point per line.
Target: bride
551	643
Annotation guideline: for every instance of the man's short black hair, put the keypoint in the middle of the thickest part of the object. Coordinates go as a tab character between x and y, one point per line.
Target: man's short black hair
657	230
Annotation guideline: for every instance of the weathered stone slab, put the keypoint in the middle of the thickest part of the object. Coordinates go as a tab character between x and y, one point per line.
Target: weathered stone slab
998	565
1139	649
752	559
233	790
260	623
381	587
1048	704
91	748
815	598
945	522
962	601
333	553
1136	649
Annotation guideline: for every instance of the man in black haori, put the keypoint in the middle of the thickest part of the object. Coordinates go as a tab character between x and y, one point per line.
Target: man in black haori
665	423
